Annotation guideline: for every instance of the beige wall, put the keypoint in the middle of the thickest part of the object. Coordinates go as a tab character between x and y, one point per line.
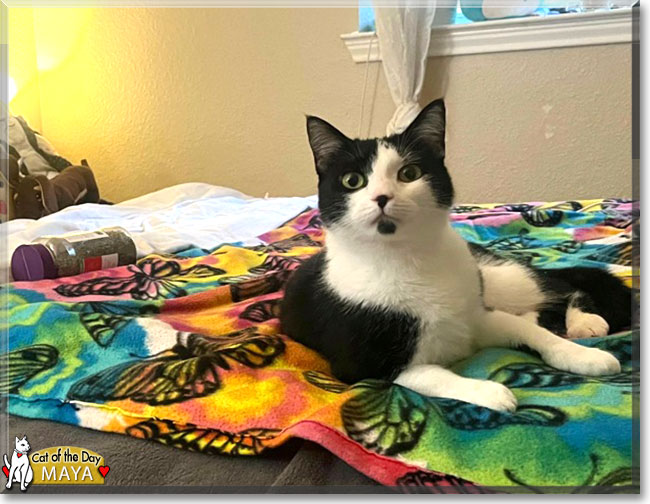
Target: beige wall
23	66
154	97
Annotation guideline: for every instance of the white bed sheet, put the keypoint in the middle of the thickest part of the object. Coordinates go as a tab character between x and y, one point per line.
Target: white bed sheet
169	220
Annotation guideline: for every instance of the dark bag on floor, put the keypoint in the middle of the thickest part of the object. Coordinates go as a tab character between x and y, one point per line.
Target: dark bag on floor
42	182
36	195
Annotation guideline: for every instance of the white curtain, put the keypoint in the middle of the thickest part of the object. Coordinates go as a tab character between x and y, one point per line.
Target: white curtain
404	33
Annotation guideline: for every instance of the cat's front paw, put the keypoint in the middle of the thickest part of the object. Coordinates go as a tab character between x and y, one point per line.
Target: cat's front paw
582	360
489	394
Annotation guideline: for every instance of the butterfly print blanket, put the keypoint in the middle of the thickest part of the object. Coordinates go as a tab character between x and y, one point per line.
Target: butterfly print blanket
185	350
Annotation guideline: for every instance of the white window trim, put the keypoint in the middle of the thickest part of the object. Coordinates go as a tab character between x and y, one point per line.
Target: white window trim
515	34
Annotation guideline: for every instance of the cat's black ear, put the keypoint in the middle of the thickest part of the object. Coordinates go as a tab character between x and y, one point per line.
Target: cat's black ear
324	140
429	127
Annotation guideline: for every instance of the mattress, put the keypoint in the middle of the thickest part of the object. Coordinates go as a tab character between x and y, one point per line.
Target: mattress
191	215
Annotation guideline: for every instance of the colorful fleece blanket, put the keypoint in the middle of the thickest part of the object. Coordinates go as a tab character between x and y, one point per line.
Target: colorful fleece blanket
185	350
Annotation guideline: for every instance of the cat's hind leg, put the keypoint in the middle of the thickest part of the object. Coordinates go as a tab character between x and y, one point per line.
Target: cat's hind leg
435	381
497	328
581	319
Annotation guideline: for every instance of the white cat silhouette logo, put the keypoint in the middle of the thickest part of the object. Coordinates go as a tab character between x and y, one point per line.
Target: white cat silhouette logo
20	470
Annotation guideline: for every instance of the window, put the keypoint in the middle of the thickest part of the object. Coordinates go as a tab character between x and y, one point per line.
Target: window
453	33
367	16
457	17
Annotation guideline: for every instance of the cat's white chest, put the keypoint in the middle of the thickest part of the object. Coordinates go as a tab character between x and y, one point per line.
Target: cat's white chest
18	461
441	291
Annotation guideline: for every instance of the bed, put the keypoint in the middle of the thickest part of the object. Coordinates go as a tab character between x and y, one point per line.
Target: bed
267	415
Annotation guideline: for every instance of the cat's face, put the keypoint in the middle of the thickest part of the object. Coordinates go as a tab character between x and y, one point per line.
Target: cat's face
22	445
382	189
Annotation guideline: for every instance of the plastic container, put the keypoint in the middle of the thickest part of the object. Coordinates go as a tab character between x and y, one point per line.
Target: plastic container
72	254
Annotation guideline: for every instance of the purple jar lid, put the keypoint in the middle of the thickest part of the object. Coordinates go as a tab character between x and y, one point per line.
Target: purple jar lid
32	262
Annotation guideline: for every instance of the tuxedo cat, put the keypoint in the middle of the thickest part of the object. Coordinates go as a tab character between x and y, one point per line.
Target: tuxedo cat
397	294
20	471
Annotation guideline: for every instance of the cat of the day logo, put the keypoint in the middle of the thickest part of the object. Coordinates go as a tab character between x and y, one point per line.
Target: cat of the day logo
57	465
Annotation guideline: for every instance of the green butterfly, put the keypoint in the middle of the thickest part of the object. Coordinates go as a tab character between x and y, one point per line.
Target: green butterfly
19	366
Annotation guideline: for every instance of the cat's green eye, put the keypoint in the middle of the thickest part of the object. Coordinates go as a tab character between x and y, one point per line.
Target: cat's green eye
409	173
353	181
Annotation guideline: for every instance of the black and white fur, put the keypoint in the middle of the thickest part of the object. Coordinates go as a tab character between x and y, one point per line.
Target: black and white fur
397	294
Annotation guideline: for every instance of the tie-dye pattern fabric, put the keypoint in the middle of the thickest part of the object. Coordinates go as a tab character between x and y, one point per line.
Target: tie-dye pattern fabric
186	350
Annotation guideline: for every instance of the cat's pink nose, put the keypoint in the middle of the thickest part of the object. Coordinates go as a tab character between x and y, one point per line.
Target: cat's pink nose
382	200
